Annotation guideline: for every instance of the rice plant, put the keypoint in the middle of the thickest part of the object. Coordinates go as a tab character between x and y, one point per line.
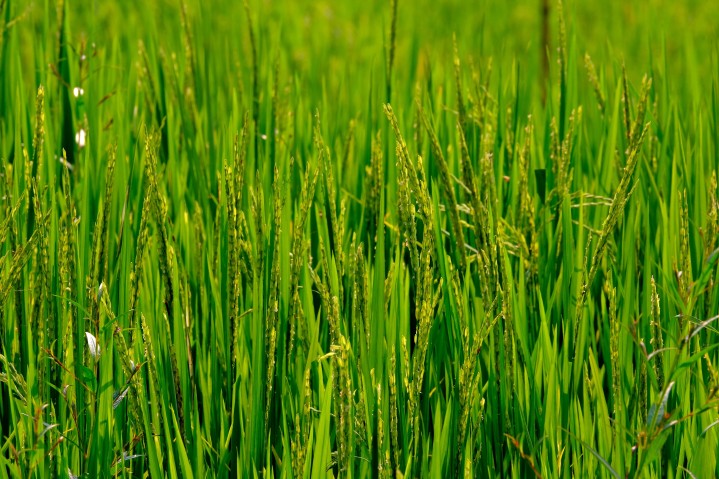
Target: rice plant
359	239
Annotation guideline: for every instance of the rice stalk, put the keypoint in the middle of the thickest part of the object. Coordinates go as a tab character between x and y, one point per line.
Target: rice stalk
461	111
472	193
427	300
388	284
374	183
526	211
165	253
413	173
361	430
711	228
657	340
360	300
394	440
484	223
626	103
98	258
128	365
382	471
447	188
199	236
7	228
233	279
152	375
594	81
417	126
467	370
244	253
616	211
216	226
509	342
41	315
68	252
482	114
306	407
637	125
685	261
257	207
138	266
641	386
614	347
298	460
38	139
345	451
406	213
17	263
296	318
237	239
273	313
335	223
561	155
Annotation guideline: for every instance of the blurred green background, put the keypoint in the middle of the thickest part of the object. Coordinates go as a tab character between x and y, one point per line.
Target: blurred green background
339	45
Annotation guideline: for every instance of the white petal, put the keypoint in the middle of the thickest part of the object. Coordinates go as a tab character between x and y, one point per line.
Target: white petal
92	344
80	138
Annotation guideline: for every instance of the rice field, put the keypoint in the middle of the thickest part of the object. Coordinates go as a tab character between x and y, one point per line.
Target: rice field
386	239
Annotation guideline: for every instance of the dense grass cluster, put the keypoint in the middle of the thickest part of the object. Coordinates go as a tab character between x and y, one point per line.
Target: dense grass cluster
358	239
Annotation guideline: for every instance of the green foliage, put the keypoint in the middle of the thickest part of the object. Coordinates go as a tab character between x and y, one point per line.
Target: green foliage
358	239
